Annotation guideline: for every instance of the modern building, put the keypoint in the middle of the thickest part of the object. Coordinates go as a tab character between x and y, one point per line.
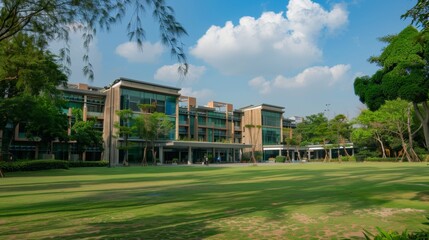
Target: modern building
215	131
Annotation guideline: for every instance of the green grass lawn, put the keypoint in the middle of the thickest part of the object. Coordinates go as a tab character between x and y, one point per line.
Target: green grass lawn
288	201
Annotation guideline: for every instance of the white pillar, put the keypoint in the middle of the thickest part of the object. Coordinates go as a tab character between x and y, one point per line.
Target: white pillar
161	154
189	155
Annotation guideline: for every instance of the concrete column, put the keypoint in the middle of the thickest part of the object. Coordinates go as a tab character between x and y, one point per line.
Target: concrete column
161	154
189	155
280	152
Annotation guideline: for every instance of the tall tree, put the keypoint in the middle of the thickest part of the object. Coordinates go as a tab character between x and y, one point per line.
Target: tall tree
125	131
402	75
54	20
315	129
46	122
84	133
254	131
341	127
26	72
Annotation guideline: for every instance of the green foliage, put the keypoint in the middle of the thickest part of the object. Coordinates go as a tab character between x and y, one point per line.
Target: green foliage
379	159
84	133
394	235
74	164
33	165
49	20
363	154
280	159
401	74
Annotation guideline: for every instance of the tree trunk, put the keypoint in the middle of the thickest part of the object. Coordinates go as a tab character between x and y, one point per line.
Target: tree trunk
423	116
413	154
379	140
144	160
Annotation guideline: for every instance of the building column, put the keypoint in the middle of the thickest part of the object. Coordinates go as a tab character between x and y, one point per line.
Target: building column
161	154
189	155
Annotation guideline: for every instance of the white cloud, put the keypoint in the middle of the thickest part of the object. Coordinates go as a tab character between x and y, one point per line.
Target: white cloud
149	52
203	95
271	43
169	73
313	77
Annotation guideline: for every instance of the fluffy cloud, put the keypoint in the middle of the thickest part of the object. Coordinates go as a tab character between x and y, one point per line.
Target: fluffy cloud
311	77
133	53
271	43
169	73
203	95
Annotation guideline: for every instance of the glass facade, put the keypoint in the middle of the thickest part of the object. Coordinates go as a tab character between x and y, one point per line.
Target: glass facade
271	124
131	99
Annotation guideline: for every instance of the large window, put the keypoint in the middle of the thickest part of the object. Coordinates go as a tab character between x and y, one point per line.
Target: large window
133	98
270	135
272	119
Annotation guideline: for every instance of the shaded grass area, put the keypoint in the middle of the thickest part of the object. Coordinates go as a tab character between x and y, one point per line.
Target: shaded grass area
288	201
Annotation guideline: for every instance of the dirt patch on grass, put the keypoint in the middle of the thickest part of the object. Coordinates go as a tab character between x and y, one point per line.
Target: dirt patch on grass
302	218
385	212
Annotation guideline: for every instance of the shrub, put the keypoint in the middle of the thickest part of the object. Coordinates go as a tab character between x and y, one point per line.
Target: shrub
362	155
34	165
280	159
394	235
379	159
88	164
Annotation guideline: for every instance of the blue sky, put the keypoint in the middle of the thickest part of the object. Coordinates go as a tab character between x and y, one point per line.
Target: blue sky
300	54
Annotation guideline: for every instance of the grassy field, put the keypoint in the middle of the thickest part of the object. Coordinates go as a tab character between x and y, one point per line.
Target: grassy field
288	201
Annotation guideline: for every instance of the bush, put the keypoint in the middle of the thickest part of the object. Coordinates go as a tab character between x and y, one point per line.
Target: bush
280	159
379	159
362	155
88	164
34	165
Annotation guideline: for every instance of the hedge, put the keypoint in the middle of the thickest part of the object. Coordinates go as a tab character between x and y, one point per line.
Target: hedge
379	159
89	164
280	159
36	165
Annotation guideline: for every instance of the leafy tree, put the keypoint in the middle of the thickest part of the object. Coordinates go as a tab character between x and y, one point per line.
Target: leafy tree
46	122
315	129
48	20
253	139
369	129
390	124
84	133
125	131
402	75
341	127
419	13
26	73
151	126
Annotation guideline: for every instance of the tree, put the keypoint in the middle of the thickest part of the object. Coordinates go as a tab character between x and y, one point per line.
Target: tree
49	20
342	128
84	133
402	75
370	128
253	139
26	73
419	13
315	130
46	122
151	126
396	118
125	131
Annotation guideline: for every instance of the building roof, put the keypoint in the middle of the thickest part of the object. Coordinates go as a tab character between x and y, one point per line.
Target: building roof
146	83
